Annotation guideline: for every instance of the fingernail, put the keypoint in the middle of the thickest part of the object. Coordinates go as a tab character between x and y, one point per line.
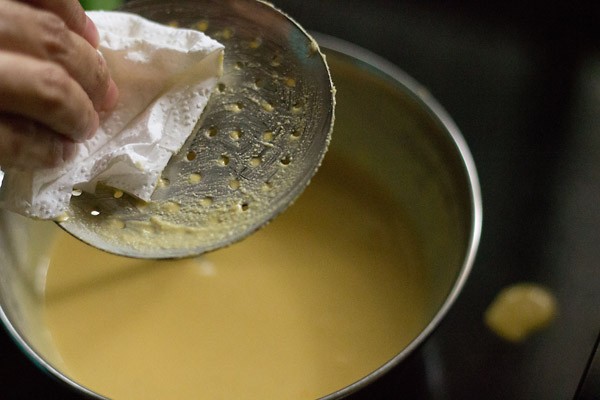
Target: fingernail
91	33
111	97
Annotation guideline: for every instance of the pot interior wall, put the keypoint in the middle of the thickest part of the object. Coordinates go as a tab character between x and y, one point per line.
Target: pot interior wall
24	252
385	129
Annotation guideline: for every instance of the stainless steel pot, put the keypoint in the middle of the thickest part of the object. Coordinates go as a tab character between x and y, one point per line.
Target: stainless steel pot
390	126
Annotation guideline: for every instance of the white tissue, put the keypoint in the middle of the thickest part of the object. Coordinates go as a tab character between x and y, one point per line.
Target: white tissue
165	76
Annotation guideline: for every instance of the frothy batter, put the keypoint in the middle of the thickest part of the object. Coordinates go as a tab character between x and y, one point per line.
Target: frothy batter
321	297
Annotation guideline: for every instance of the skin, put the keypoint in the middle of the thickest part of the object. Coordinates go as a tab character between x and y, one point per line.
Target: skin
53	82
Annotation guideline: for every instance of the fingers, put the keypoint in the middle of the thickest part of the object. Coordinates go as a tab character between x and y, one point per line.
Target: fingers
44	92
45	36
27	145
53	82
71	12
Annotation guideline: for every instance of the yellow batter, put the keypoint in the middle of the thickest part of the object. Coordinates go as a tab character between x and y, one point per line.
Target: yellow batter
324	295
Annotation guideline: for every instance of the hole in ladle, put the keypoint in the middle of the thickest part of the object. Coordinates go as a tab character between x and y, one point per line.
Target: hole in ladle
267	136
297	107
202	25
290	82
255	161
191	155
268	107
163	182
259	83
206	201
234	184
224	160
235	134
255	43
276	60
212	131
194	179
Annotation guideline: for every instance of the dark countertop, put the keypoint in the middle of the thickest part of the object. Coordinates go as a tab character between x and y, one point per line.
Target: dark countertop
523	85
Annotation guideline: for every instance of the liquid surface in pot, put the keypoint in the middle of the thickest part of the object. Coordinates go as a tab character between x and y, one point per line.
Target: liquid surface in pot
324	295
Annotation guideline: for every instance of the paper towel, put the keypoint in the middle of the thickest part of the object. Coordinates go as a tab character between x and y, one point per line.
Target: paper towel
165	76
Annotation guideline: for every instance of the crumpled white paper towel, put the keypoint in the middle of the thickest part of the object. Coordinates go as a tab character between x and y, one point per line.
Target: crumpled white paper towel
165	76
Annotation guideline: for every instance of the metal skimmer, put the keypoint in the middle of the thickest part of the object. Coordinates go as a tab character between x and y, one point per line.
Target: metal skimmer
259	141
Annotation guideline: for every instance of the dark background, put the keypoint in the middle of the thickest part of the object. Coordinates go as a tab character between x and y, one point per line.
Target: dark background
522	81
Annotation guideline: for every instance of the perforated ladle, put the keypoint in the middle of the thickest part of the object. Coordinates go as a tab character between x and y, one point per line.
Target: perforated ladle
258	143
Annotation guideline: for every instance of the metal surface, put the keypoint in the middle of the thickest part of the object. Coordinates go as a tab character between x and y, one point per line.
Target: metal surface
260	139
404	141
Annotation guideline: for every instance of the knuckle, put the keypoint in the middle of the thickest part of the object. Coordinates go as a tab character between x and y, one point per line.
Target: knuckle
51	23
54	35
53	84
67	109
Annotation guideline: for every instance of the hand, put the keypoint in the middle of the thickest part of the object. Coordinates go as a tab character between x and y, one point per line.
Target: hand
53	82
